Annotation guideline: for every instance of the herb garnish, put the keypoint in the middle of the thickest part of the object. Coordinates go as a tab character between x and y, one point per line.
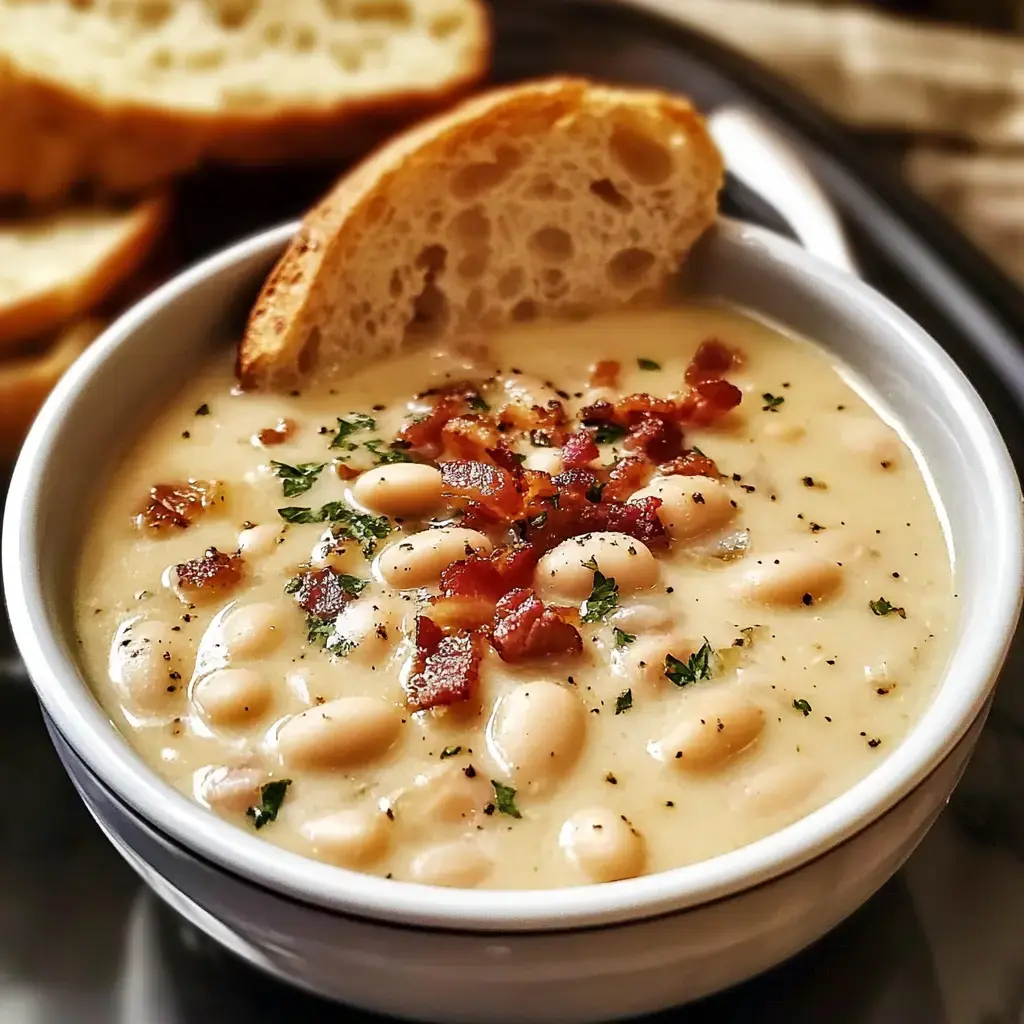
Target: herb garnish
609	433
356	422
271	797
802	705
694	669
604	596
622	638
478	403
648	364
771	402
882	607
393	453
623	702
450	752
365	529
297	479
505	798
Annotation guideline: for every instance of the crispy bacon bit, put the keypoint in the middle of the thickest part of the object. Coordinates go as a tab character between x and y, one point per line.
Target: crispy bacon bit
445	668
712	361
470	588
638	518
605	374
344	471
451	401
469	437
463	480
629	411
177	505
659	439
214	574
503	456
629	474
321	593
709	401
690	463
269	436
524	628
579	449
548	419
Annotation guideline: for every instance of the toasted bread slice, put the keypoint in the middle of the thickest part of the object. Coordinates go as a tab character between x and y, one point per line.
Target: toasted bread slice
548	198
60	266
26	381
124	93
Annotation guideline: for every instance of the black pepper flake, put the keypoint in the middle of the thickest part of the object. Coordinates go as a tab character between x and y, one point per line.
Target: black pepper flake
379	408
489	809
827	718
830	661
874	742
469	771
611	780
670	803
390	814
807	599
203	410
186	434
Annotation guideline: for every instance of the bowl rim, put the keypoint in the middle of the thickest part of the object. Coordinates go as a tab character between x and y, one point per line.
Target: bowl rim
974	664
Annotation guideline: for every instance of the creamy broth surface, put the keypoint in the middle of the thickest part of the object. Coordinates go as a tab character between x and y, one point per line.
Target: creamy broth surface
815	567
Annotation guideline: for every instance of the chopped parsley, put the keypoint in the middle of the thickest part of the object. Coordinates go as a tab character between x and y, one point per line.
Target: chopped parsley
319	631
771	402
299	478
882	607
608	433
647	364
356	422
604	597
478	403
803	705
271	797
623	702
365	529
505	799
450	752
393	453
622	638
694	669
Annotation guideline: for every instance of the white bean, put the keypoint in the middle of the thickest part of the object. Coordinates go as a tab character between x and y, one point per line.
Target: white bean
561	573
790	579
354	837
780	787
603	845
545	460
232	696
252	630
403	489
373	625
417	560
230	790
146	664
460	864
691	505
259	541
342	732
871	440
643	661
712	726
443	796
641	616
535	733
778	428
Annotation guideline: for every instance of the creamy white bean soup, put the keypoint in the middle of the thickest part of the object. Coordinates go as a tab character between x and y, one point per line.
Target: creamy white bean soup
577	603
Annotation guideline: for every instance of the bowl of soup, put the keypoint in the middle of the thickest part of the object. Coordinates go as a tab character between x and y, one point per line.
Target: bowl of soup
568	673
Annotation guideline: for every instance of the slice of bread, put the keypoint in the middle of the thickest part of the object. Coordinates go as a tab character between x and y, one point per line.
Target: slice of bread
556	197
26	381
59	266
124	93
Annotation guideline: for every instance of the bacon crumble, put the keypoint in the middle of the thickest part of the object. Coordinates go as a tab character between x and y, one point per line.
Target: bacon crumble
269	436
213	575
177	505
321	594
446	668
525	628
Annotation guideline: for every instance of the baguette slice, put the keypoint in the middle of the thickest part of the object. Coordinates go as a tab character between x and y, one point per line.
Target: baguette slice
57	267
122	94
26	381
556	197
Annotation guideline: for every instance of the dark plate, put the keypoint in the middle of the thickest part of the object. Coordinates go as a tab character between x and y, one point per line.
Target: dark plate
81	941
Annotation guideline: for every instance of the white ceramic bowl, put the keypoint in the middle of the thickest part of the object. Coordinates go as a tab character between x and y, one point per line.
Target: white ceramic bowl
576	954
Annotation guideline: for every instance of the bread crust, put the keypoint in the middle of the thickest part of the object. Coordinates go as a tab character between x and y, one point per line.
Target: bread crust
44	310
54	136
275	349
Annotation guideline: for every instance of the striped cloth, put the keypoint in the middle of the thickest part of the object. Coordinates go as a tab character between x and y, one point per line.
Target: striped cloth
958	93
